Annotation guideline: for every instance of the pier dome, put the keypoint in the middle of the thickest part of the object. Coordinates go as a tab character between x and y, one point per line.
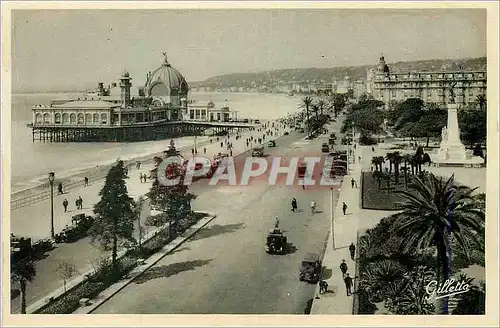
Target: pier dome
167	83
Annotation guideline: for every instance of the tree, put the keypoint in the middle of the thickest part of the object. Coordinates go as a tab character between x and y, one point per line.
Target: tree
481	101
412	299
396	161
378	161
114	213
321	106
409	111
472	302
306	103
407	158
137	214
66	271
338	102
473	125
435	211
23	271
173	200
430	124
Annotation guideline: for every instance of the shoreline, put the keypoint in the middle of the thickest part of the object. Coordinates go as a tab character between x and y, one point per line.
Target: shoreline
75	180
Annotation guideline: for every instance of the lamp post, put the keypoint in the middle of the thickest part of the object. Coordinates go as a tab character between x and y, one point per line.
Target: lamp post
333	216
51	181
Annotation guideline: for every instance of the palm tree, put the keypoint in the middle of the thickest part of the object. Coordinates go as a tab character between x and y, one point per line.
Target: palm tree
306	103
390	158
23	271
396	160
378	161
377	175
387	178
434	211
321	106
407	158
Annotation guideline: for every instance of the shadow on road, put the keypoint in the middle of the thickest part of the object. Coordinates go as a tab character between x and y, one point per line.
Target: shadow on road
179	250
308	308
327	273
166	271
290	248
216	230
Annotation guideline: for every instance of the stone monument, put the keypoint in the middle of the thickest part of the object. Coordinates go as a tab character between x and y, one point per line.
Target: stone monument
452	151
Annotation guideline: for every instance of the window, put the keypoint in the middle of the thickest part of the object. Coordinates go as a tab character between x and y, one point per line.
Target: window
38	118
80	119
72	118
58	118
88	118
65	118
95	118
46	118
104	119
191	114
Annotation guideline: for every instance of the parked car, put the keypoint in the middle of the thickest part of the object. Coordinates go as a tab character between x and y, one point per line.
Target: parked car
325	148
310	270
258	152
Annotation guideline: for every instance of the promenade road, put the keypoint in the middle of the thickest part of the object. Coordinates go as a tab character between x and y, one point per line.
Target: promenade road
34	221
224	269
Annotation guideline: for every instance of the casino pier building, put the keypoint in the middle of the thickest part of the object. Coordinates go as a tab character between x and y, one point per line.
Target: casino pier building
120	113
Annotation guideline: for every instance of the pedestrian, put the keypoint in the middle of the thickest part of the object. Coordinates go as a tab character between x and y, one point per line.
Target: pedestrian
65	205
196	151
303	187
77	203
60	189
352	182
313	207
348	284
192	151
140	177
221	144
210	140
359	159
343	268
294	205
86	180
344	207
323	287
80	201
145	177
204	151
138	165
373	149
231	153
352	250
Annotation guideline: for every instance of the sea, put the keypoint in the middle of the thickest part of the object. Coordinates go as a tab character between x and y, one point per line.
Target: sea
31	161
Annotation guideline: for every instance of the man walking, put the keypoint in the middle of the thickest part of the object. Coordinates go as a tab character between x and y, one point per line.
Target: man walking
352	250
65	204
204	151
348	284
86	181
353	183
344	207
294	205
343	268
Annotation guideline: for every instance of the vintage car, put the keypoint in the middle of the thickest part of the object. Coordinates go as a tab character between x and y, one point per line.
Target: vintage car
271	143
325	148
258	152
276	242
310	270
80	225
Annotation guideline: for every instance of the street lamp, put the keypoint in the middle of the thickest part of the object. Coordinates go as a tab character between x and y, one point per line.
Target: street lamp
332	218
51	181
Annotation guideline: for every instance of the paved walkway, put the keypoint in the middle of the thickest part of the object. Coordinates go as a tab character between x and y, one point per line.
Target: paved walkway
346	227
34	221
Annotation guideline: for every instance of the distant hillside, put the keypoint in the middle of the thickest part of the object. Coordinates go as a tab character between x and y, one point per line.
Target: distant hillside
326	75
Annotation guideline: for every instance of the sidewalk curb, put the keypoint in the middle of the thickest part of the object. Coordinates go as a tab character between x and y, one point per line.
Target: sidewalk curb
154	259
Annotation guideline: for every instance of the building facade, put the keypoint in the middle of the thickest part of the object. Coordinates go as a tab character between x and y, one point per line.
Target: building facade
436	87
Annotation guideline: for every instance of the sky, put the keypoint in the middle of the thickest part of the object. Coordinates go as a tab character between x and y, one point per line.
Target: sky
69	49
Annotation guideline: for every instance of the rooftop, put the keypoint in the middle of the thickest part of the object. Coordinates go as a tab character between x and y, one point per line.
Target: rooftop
87	104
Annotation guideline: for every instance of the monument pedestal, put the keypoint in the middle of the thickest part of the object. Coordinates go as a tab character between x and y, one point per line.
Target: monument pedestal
452	152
